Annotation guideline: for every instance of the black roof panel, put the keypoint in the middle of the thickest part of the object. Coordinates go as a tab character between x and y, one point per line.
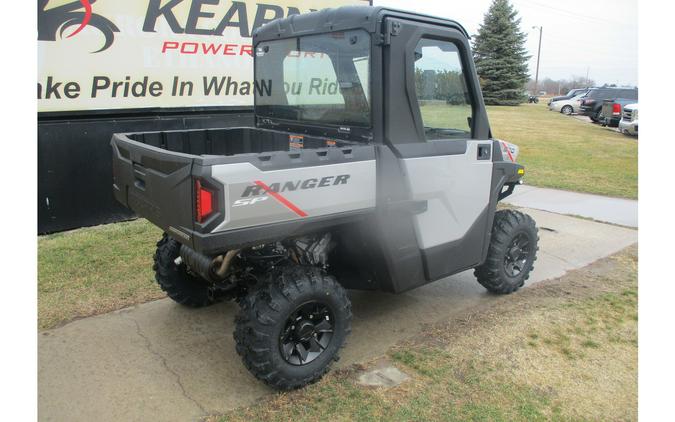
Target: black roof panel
341	18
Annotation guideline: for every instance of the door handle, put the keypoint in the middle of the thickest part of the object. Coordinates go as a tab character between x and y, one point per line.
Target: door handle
484	152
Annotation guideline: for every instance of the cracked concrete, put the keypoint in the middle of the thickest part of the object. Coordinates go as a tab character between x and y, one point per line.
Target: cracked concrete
161	361
164	363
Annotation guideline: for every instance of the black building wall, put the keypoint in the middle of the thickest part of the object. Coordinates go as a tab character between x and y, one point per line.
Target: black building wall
74	161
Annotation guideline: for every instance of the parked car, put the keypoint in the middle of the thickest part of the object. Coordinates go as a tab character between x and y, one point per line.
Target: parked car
629	120
591	104
611	111
572	93
567	106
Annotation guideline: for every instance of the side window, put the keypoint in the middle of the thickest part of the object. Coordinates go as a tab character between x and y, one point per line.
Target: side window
442	94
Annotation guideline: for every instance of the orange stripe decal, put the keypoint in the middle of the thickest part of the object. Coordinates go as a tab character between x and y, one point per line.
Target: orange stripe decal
508	151
285	202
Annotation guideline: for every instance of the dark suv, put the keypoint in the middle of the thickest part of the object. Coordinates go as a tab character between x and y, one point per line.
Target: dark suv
591	104
571	94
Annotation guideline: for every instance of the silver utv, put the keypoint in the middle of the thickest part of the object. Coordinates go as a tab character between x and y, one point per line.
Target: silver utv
371	165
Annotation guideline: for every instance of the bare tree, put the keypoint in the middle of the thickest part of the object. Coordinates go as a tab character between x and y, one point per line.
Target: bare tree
560	86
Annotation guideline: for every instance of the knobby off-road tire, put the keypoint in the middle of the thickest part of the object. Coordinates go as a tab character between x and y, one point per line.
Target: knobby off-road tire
506	267
179	285
267	314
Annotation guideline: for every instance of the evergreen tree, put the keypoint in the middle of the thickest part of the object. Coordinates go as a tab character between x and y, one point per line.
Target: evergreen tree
500	55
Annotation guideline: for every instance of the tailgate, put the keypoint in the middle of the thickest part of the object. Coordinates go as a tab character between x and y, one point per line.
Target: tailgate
607	108
155	183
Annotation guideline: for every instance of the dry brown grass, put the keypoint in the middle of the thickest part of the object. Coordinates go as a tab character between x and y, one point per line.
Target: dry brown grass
562	152
559	151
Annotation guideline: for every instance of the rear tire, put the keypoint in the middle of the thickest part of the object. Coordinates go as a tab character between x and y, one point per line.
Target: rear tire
290	330
511	254
595	117
179	285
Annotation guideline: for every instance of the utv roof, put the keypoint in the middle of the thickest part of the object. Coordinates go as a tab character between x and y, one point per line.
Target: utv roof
341	18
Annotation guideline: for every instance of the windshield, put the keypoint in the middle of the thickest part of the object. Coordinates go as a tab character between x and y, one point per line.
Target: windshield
321	79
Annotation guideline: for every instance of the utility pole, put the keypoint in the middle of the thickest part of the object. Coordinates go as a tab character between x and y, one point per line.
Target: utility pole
536	77
588	69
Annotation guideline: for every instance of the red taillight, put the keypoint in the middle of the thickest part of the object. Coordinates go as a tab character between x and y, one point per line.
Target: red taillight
203	202
616	109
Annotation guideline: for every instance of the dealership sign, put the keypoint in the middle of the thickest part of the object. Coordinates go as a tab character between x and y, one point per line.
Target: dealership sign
129	54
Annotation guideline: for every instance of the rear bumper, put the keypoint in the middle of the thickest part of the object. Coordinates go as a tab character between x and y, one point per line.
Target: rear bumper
630	128
613	121
218	242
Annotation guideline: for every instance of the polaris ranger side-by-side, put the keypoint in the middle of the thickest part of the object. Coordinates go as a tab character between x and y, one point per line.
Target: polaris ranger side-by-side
371	166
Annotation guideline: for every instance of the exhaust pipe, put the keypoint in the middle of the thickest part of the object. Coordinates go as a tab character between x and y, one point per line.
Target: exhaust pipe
225	261
211	269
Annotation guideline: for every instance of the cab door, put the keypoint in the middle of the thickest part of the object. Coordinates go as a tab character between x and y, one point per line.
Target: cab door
436	126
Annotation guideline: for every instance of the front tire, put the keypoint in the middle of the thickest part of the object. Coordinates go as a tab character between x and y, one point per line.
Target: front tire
511	254
567	110
290	330
181	286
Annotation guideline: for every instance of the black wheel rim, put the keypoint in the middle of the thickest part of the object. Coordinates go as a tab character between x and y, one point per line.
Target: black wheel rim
307	333
517	255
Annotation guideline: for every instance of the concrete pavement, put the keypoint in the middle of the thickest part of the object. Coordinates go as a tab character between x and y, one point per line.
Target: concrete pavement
601	208
161	361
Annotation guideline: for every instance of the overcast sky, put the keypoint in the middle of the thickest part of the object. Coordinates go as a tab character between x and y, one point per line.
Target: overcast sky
579	35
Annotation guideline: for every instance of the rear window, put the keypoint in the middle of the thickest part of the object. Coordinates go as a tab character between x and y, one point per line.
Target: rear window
322	79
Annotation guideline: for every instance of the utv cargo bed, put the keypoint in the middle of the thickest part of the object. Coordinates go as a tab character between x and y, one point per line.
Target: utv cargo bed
176	180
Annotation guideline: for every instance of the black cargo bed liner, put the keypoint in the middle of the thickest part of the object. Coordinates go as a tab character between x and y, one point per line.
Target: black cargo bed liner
231	141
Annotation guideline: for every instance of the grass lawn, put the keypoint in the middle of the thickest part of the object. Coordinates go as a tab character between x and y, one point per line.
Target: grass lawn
560	350
95	270
564	153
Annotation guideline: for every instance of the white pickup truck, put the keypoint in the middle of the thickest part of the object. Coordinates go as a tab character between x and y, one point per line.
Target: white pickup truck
629	120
